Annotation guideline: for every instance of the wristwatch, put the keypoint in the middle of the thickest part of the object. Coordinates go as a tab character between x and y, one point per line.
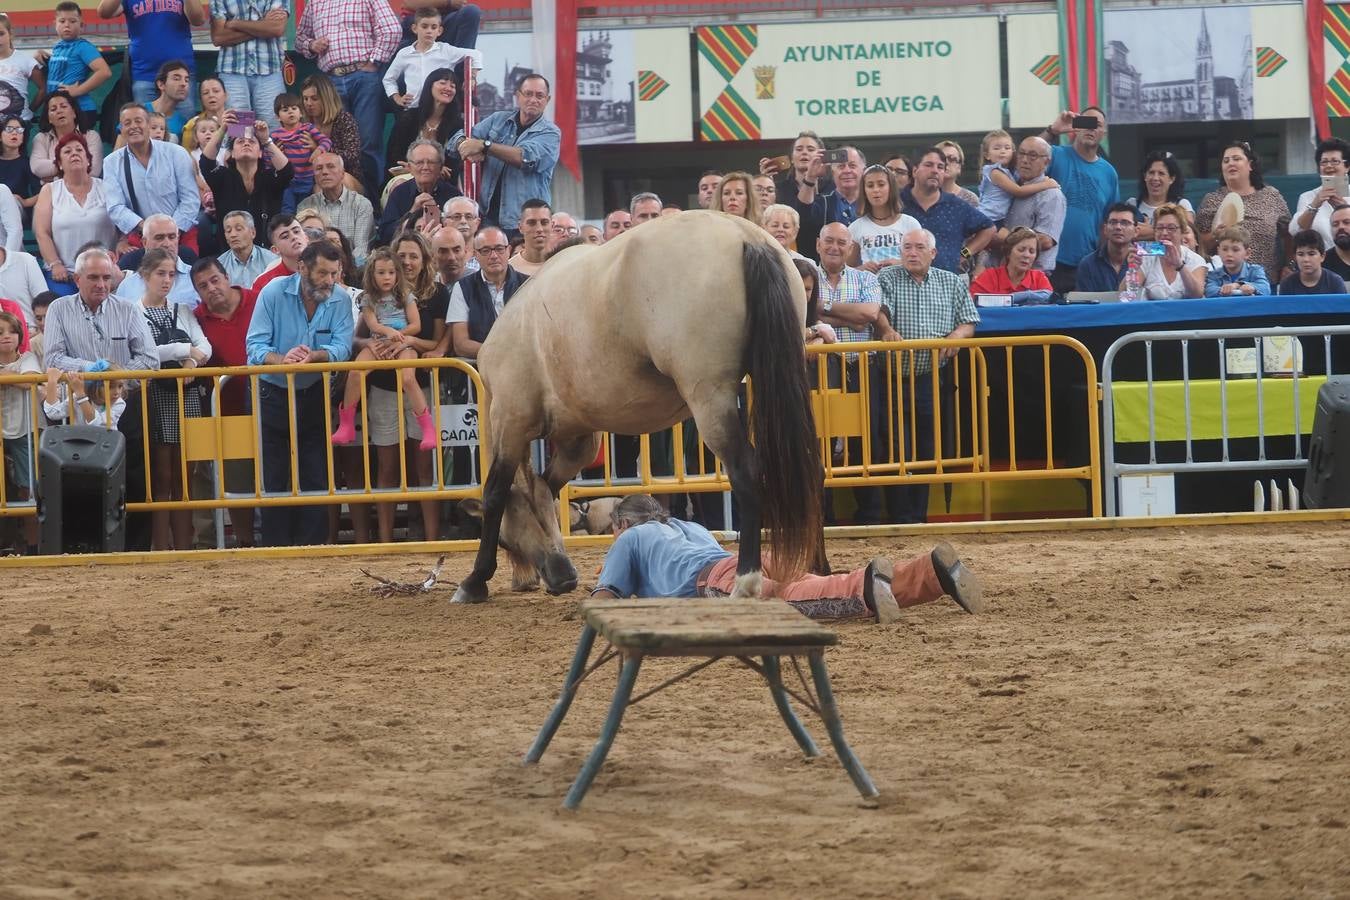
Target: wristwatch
487	145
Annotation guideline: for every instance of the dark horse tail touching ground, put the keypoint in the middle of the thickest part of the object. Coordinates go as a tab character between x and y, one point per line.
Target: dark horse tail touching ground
632	337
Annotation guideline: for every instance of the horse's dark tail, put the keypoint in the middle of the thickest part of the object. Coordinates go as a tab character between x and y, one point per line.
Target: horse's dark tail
781	421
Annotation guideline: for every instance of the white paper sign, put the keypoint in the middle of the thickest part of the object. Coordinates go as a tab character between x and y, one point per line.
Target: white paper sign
459	425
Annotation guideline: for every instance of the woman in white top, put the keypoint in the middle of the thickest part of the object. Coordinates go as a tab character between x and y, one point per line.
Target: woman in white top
1178	274
880	224
181	344
1160	182
71	211
60	118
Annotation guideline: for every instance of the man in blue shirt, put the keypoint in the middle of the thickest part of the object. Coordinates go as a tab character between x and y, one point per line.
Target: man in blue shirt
1103	269
657	556
1090	185
518	150
961	230
159	31
163	179
301	318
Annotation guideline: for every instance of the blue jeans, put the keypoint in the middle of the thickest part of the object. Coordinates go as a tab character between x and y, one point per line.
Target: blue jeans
144	92
301	186
256	92
363	95
286	525
460	27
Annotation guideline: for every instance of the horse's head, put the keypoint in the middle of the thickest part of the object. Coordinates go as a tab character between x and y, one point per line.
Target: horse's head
530	536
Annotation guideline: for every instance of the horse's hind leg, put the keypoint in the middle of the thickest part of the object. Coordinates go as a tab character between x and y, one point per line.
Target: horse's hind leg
719	422
495	492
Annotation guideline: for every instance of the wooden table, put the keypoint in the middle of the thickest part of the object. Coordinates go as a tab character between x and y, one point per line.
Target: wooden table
713	629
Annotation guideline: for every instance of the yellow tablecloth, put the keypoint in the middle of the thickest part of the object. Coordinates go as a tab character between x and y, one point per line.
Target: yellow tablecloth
1169	408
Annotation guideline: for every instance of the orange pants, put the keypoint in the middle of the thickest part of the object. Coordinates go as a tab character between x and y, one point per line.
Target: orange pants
914	582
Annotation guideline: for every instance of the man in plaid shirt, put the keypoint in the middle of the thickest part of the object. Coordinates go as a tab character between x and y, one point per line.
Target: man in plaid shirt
918	302
353	40
842	286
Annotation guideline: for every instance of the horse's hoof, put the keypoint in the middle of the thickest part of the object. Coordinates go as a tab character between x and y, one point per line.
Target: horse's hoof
468	594
748	586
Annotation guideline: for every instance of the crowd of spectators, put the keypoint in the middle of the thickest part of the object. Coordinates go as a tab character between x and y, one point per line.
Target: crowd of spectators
235	222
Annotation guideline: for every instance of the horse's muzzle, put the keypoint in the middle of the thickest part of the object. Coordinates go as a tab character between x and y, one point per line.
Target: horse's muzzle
560	576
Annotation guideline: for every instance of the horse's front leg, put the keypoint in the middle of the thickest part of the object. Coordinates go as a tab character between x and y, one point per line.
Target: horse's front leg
496	490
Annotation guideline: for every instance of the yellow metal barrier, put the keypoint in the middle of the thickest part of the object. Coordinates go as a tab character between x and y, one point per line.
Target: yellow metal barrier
217	438
852	408
866	397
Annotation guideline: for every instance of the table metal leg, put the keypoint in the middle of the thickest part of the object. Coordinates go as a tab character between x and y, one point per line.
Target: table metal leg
774	676
830	713
569	691
627	678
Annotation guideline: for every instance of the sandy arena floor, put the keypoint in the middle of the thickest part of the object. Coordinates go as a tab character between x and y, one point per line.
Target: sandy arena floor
1138	714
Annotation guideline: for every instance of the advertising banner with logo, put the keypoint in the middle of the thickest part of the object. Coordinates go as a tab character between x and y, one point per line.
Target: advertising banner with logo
916	76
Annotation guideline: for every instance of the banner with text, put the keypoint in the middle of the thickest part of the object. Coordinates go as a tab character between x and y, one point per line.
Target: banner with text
916	76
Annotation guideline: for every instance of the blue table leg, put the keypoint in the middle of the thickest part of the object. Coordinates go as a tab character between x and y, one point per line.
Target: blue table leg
774	676
830	713
569	691
627	678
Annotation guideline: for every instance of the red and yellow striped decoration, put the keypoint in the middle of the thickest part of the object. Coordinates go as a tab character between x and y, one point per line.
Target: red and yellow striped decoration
1336	32
650	85
730	119
727	47
1048	69
1268	62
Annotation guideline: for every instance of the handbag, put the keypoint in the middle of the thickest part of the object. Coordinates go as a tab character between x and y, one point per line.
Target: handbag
170	334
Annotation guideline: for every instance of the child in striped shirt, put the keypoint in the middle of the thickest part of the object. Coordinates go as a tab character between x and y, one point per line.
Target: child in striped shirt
297	139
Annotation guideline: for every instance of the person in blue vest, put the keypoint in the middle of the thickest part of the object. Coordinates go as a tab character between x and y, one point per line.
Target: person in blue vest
479	297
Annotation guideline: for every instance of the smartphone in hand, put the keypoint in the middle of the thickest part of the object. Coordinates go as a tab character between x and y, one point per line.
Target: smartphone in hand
1151	248
1086	123
243	123
836	157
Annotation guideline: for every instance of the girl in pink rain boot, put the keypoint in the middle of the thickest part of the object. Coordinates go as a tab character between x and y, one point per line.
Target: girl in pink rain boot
389	310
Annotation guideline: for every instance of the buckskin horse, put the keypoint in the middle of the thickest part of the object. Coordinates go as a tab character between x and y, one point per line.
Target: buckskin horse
631	337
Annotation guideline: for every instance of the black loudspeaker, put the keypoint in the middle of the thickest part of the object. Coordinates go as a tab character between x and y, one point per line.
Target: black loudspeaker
82	490
1327	484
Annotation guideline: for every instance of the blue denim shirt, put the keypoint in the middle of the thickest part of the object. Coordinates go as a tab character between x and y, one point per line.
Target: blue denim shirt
279	323
540	144
1250	273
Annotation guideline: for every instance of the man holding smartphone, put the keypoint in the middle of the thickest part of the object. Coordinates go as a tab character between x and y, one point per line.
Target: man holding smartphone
1090	185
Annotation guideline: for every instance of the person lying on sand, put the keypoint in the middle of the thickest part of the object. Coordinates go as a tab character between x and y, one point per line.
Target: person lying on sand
657	556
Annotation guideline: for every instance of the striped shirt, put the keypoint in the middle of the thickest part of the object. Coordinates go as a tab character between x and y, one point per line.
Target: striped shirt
357	31
255	56
855	286
923	310
297	149
116	331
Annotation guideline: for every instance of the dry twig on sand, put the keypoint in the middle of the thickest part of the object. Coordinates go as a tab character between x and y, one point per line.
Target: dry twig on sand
387	588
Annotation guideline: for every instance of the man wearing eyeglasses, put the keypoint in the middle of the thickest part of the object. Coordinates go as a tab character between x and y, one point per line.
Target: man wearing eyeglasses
1042	212
564	228
479	297
1090	185
518	150
1103	269
422	195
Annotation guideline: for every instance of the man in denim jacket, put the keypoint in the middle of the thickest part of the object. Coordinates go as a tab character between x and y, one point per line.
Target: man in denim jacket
518	149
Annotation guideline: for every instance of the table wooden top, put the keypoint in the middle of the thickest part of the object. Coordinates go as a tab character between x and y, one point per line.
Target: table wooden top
686	626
